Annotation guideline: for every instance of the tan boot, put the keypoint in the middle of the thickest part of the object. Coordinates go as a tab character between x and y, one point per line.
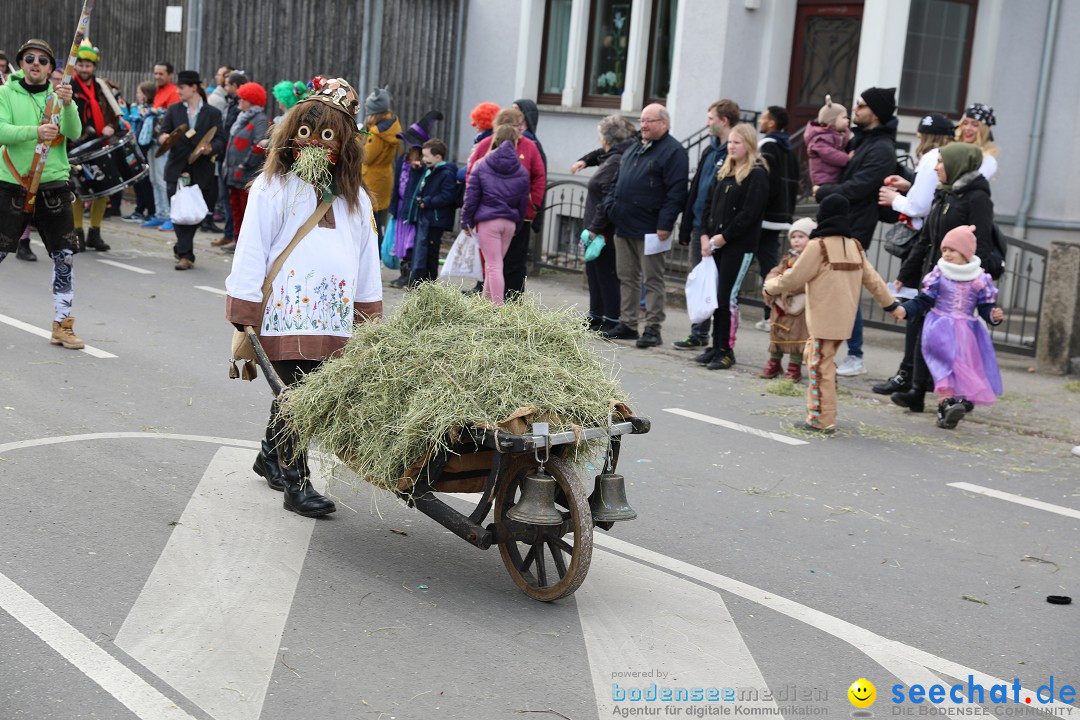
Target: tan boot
64	334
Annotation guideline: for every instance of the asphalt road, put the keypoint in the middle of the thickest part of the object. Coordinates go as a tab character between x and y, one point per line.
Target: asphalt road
146	573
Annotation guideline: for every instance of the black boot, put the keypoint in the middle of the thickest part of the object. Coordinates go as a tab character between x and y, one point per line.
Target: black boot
900	382
950	411
300	497
266	464
913	399
80	241
24	252
94	241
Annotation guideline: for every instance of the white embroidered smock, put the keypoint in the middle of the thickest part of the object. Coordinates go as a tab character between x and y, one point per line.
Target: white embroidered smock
310	311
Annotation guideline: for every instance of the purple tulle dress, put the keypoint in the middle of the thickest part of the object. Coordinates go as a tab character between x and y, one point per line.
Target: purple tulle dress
404	231
955	343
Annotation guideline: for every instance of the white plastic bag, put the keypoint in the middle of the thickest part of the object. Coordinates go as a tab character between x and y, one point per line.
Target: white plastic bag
187	206
702	285
463	260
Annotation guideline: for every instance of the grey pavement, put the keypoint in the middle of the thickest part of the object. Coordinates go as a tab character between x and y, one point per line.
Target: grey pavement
146	573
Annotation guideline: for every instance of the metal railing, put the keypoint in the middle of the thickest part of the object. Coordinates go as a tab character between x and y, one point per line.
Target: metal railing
1020	288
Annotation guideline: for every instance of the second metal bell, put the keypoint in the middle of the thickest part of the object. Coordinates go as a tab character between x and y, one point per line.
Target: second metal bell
608	500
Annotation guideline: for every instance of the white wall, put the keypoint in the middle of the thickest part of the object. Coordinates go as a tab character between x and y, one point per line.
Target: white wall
489	71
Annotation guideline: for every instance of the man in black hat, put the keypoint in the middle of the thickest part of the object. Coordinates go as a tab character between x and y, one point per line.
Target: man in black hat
22	104
874	144
194	111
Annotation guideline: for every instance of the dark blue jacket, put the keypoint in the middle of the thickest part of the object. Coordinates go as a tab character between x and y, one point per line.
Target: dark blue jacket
435	197
499	189
650	189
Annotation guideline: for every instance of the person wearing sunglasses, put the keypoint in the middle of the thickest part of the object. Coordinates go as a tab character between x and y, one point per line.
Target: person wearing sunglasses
22	126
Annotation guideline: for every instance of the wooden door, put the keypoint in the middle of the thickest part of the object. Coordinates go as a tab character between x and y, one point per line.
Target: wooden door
824	57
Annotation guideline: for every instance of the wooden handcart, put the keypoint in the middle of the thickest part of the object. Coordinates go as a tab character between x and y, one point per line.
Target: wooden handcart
543	517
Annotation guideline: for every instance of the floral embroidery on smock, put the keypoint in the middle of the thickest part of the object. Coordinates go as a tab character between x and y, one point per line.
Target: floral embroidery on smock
304	305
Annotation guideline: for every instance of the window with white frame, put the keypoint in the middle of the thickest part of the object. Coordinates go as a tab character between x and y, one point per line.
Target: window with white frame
605	38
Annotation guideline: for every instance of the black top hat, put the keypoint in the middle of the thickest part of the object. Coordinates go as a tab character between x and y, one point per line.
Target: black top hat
420	132
188	77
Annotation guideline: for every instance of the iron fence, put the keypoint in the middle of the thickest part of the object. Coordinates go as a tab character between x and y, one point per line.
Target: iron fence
1020	288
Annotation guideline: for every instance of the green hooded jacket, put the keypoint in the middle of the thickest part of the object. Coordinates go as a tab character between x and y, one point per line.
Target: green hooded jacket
20	115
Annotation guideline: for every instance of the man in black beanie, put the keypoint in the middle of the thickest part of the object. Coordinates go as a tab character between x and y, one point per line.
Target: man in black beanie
874	144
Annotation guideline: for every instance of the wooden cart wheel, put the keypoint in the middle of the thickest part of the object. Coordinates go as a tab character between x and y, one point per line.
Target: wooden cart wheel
546	562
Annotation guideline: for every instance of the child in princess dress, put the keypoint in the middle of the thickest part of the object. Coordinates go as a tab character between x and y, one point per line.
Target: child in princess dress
956	347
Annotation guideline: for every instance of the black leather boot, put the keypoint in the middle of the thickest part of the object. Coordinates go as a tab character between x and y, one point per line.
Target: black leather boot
94	241
24	252
266	464
900	382
913	399
300	497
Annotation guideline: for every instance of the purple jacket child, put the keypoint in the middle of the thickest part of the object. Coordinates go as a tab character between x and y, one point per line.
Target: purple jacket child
825	148
499	188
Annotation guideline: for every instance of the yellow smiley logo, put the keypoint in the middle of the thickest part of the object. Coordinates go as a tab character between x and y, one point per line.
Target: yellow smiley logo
862	693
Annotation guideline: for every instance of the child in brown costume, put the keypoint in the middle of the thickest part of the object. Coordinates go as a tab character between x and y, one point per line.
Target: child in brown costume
787	330
833	268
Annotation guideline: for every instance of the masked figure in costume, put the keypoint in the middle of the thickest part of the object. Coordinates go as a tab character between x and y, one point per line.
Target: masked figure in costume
330	279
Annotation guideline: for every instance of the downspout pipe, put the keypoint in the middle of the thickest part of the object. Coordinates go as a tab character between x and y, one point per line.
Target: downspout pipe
364	86
375	60
193	45
1035	150
459	37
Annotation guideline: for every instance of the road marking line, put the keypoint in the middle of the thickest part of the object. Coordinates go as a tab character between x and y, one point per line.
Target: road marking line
908	664
113	676
209	289
1018	499
38	442
93	351
210	617
122	266
736	426
690	635
905	662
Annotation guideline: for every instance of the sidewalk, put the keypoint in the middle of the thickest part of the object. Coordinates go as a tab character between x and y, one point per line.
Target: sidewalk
1034	404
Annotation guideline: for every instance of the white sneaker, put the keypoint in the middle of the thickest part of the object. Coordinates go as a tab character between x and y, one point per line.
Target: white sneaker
850	367
762	325
1076	451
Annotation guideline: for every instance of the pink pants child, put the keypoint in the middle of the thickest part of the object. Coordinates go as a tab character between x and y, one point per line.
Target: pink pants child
494	237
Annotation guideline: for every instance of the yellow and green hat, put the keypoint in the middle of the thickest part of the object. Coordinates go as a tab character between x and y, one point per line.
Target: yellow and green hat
88	52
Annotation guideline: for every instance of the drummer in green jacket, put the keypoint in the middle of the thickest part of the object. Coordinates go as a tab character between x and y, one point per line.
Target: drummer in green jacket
22	127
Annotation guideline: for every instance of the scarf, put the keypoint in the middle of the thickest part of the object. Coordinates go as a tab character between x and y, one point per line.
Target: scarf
958	159
242	119
961	273
97	118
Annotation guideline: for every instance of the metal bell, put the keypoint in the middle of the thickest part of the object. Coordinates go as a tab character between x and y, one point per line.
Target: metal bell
537	504
608	500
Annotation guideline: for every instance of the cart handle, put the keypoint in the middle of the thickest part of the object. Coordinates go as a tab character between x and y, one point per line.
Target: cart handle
272	378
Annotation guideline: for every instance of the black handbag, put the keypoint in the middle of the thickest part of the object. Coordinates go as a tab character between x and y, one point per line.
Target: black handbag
899	239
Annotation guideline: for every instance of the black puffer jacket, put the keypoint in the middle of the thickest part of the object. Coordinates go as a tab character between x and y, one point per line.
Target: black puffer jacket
650	189
968	203
595	217
874	160
736	209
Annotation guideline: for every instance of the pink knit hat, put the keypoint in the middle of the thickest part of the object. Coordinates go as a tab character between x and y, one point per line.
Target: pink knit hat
962	240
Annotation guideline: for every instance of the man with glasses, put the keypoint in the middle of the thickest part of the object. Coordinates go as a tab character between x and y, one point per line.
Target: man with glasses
645	198
874	143
22	126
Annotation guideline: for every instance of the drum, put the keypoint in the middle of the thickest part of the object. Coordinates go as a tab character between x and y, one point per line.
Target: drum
105	166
